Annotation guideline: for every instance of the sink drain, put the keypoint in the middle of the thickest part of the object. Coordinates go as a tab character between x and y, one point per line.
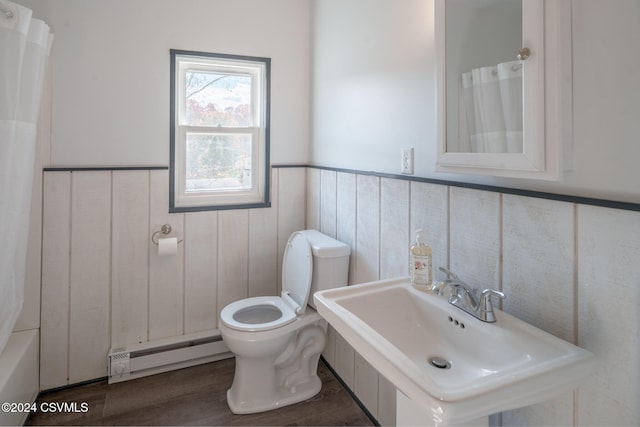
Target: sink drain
439	362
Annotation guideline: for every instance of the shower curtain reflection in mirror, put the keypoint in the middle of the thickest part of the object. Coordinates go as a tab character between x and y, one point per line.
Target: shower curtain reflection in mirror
491	109
25	44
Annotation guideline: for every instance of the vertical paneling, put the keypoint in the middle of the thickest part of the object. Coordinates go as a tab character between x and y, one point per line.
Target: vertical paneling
609	314
394	227
233	249
359	201
54	317
200	271
345	208
103	281
346	216
556	412
329	352
538	263
368	228
430	212
345	361
129	257
386	402
166	287
366	384
263	252
475	236
97	241
313	209
538	278
275	207
328	203
89	301
292	190
291	202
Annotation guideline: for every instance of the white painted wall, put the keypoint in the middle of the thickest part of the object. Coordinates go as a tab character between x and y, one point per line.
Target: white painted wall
374	93
373	84
110	64
373	70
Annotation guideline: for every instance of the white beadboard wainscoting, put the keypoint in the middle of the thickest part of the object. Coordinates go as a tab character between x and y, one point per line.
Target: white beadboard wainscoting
104	284
567	267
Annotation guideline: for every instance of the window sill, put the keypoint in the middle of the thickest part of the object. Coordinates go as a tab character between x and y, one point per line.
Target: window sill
174	209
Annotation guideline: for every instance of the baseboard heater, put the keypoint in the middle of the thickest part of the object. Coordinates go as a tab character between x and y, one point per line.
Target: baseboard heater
154	357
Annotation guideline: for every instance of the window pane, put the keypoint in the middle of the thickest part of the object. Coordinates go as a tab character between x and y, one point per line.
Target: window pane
218	162
217	99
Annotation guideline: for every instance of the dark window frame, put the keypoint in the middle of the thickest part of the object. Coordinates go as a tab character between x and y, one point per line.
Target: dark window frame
266	180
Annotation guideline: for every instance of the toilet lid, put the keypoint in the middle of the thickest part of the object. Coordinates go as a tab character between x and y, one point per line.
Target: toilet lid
297	269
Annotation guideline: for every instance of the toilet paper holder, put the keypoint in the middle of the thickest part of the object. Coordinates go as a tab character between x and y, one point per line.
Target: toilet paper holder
165	229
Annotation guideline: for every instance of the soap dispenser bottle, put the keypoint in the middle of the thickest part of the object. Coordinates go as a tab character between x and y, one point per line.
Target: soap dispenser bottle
421	266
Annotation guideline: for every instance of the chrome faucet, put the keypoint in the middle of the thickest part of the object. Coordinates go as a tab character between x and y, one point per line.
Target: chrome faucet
466	298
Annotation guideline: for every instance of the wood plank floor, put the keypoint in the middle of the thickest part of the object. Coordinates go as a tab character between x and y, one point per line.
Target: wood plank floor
195	396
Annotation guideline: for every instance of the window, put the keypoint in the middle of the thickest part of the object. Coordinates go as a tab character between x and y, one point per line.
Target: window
219	131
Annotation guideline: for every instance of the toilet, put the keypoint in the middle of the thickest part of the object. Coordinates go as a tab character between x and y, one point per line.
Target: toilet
277	340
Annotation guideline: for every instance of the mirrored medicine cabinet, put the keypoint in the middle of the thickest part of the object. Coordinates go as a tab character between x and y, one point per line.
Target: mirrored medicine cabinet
504	87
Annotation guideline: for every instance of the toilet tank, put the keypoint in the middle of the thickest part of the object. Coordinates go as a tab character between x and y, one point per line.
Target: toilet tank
330	262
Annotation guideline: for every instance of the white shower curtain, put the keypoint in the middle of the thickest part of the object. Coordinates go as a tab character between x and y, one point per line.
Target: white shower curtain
492	104
24	49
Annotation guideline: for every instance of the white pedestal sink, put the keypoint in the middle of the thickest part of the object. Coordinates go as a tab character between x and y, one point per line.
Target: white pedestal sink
452	368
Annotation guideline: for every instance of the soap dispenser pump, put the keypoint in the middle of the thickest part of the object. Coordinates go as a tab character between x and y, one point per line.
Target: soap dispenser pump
421	265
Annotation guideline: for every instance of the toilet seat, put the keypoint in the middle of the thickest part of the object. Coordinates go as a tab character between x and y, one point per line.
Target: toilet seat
270	312
257	314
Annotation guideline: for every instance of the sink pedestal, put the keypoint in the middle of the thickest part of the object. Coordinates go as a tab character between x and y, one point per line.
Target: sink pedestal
410	413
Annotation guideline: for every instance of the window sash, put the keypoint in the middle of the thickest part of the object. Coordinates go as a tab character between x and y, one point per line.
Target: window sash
255	194
257	72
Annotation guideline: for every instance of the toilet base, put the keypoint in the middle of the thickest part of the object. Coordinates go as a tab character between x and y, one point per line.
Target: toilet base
283	396
279	371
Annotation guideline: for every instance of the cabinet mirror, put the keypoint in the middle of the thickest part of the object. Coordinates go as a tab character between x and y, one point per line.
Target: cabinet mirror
497	111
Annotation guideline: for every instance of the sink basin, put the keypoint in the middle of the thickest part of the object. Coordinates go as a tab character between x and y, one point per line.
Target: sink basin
454	366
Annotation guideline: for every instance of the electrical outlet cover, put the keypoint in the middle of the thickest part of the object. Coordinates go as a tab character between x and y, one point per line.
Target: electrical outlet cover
406	166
